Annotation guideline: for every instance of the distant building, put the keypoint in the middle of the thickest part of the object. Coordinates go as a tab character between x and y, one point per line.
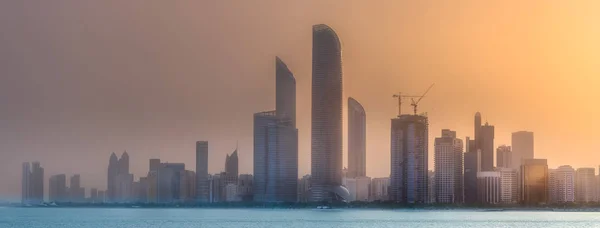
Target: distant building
32	191
448	162
487	147
472	166
303	188
432	187
245	187
93	195
409	159
488	186
326	130
169	185
202	185
76	192
118	175
58	188
534	181
231	167
357	139
187	186
508	186
152	191
101	197
522	147
358	188
585	185
379	189
124	188
231	194
217	187
561	185
504	157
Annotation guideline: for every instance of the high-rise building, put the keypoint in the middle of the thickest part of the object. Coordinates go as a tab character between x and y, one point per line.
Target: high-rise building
303	188
534	181
231	167
326	131
169	182
113	172
508	186
448	162
489	187
154	164
276	143
561	184
202	185
217	187
409	159
58	188
522	147
477	132
76	192
504	157
32	183
487	147
472	165
585	185
246	187
187	186
379	188
357	139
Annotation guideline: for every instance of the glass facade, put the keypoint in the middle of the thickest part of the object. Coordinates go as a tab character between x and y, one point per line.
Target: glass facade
534	181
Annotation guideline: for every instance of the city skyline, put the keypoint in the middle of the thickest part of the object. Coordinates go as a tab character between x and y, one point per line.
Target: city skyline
154	111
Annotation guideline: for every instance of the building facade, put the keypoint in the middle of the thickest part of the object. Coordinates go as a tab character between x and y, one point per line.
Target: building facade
585	185
561	185
379	189
58	188
487	147
357	139
504	157
448	163
534	182
508	186
489	187
409	159
522	147
202	190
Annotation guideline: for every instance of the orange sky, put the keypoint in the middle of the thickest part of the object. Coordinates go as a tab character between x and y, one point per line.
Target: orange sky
83	79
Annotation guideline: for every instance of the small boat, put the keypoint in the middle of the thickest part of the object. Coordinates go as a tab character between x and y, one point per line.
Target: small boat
323	207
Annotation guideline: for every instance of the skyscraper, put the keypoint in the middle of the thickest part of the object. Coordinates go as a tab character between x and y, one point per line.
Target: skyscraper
25	183
472	166
202	185
522	147
448	162
357	140
32	191
508	186
76	192
58	188
477	132
231	167
409	159
585	185
113	171
326	131
534	181
276	143
487	147
504	157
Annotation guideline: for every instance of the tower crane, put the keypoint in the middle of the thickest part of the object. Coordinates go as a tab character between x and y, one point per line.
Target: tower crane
415	103
400	97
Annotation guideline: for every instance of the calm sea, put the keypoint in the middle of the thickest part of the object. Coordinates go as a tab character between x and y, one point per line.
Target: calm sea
292	218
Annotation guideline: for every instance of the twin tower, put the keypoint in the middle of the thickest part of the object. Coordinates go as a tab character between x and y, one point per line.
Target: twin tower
276	135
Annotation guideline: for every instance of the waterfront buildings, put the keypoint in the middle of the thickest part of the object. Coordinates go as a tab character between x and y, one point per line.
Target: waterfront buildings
76	192
585	185
487	147
303	188
357	139
326	130
508	186
245	187
409	159
276	143
187	183
379	189
232	167
471	168
534	181
32	183
448	163
522	147
202	185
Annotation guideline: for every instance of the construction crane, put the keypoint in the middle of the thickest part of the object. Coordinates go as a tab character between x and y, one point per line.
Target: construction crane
400	97
415	103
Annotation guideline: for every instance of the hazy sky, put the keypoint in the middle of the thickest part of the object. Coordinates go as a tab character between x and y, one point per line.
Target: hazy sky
81	79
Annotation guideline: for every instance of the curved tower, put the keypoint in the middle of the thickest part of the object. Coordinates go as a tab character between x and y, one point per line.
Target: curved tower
326	144
357	137
285	92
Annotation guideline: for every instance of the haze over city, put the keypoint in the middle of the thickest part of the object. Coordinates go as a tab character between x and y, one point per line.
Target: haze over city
81	80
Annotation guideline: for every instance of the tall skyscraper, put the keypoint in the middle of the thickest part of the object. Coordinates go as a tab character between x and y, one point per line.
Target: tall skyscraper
276	143
477	132
58	188
326	131
534	181
522	147
487	147
409	159
448	162
472	166
32	191
561	185
504	157
357	140
113	171
585	185
76	192
202	185
231	167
